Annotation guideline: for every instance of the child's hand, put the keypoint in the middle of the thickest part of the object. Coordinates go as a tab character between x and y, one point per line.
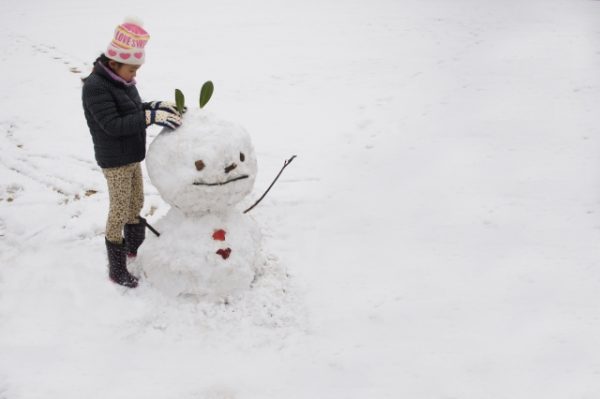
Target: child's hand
163	118
166	106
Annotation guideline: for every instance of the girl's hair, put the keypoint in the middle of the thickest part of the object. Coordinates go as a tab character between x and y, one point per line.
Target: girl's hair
103	59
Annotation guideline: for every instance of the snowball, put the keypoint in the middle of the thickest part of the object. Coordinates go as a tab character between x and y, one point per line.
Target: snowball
206	165
184	260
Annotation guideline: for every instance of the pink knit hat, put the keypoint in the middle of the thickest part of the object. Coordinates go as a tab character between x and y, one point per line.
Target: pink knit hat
128	44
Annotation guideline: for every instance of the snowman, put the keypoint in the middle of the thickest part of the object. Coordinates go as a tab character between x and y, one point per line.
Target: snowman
207	247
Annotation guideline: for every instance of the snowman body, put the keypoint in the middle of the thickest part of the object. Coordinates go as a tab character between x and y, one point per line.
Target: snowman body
207	247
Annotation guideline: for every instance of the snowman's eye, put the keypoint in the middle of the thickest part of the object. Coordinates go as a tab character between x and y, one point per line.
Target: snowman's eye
242	157
199	165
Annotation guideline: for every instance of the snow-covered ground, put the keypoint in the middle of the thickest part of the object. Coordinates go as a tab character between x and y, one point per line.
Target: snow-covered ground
438	235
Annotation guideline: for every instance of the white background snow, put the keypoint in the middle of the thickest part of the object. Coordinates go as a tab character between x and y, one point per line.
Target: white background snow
438	235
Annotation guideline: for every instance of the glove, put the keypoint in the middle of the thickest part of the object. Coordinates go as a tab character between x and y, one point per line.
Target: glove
163	118
165	106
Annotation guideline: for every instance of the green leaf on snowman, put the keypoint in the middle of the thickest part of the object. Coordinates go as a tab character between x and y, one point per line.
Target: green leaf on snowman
179	101
206	93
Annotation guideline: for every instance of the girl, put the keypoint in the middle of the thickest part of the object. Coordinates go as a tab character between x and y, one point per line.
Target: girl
117	119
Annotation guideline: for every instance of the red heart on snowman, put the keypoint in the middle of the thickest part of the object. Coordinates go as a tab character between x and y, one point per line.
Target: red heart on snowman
219	235
224	252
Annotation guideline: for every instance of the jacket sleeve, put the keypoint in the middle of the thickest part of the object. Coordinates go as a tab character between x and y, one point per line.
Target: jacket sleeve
101	106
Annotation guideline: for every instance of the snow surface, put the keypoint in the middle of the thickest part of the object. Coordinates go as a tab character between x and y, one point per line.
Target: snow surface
437	236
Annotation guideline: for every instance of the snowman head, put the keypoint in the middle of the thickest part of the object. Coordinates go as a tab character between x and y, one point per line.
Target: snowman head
206	165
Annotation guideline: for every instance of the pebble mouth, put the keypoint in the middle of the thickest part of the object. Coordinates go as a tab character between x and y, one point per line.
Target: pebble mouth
198	183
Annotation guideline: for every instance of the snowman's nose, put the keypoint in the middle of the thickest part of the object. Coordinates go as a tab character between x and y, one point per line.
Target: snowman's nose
230	168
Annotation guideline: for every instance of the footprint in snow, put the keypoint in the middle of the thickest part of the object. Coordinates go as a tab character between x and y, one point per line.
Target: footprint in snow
57	55
10	192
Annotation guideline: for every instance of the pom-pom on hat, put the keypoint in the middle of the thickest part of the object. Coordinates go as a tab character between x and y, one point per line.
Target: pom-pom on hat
127	45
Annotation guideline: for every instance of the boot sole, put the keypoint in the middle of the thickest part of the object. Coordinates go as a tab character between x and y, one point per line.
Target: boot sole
124	284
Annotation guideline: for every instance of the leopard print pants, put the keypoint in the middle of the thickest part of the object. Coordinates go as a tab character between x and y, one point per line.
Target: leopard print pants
126	195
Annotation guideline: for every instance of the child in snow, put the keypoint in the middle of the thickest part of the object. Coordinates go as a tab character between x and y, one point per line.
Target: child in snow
117	119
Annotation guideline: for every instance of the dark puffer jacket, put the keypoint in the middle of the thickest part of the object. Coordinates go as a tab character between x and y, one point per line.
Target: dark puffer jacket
116	118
